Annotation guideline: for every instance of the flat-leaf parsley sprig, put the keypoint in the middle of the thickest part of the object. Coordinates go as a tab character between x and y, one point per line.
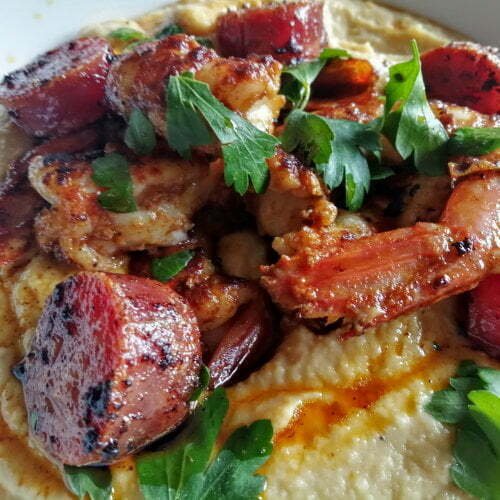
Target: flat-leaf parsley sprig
194	117
190	469
336	149
472	403
409	122
296	80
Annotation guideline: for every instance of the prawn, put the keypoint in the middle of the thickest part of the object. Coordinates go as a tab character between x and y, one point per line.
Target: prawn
378	277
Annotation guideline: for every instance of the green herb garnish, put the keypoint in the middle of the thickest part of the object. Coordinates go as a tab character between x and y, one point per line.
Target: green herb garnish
194	116
297	80
189	468
409	122
203	384
92	481
336	149
175	29
470	141
472	403
169	30
140	135
330	53
167	267
128	35
112	172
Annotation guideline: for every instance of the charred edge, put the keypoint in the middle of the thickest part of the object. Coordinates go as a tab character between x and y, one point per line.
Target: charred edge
58	294
8	81
19	371
463	247
490	84
111	450
44	354
90	440
67	312
167	359
441	281
97	398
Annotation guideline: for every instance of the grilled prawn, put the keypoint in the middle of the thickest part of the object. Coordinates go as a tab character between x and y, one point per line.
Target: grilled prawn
375	278
78	229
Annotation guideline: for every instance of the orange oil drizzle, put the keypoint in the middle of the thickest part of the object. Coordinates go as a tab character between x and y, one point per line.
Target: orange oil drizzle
315	418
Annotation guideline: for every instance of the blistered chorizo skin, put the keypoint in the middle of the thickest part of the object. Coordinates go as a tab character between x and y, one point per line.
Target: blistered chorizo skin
289	32
484	315
464	73
61	91
111	367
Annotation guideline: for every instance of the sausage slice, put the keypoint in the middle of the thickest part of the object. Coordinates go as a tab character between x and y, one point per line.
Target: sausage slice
289	32
111	367
484	315
464	73
61	91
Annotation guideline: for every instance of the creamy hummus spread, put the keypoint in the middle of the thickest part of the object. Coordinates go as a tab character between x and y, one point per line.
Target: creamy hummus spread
348	415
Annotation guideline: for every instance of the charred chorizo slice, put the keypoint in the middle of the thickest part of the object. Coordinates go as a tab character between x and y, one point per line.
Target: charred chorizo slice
484	315
61	91
289	32
464	73
111	367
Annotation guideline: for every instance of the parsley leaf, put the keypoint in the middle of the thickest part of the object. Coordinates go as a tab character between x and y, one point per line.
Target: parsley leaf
195	116
331	53
175	29
129	35
297	80
336	149
409	122
169	30
167	267
111	171
203	384
474	141
92	481
231	475
472	402
187	469
140	135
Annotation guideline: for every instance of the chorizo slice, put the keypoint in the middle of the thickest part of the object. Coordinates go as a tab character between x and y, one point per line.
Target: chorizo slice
61	91
289	32
464	73
111	367
484	315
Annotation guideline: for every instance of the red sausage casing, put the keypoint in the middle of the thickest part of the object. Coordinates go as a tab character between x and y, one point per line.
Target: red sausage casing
61	91
484	315
289	32
111	367
464	73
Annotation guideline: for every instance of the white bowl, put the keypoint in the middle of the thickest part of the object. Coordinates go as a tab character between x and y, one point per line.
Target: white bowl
30	27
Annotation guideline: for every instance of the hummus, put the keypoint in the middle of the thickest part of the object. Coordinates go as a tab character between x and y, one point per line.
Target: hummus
348	415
